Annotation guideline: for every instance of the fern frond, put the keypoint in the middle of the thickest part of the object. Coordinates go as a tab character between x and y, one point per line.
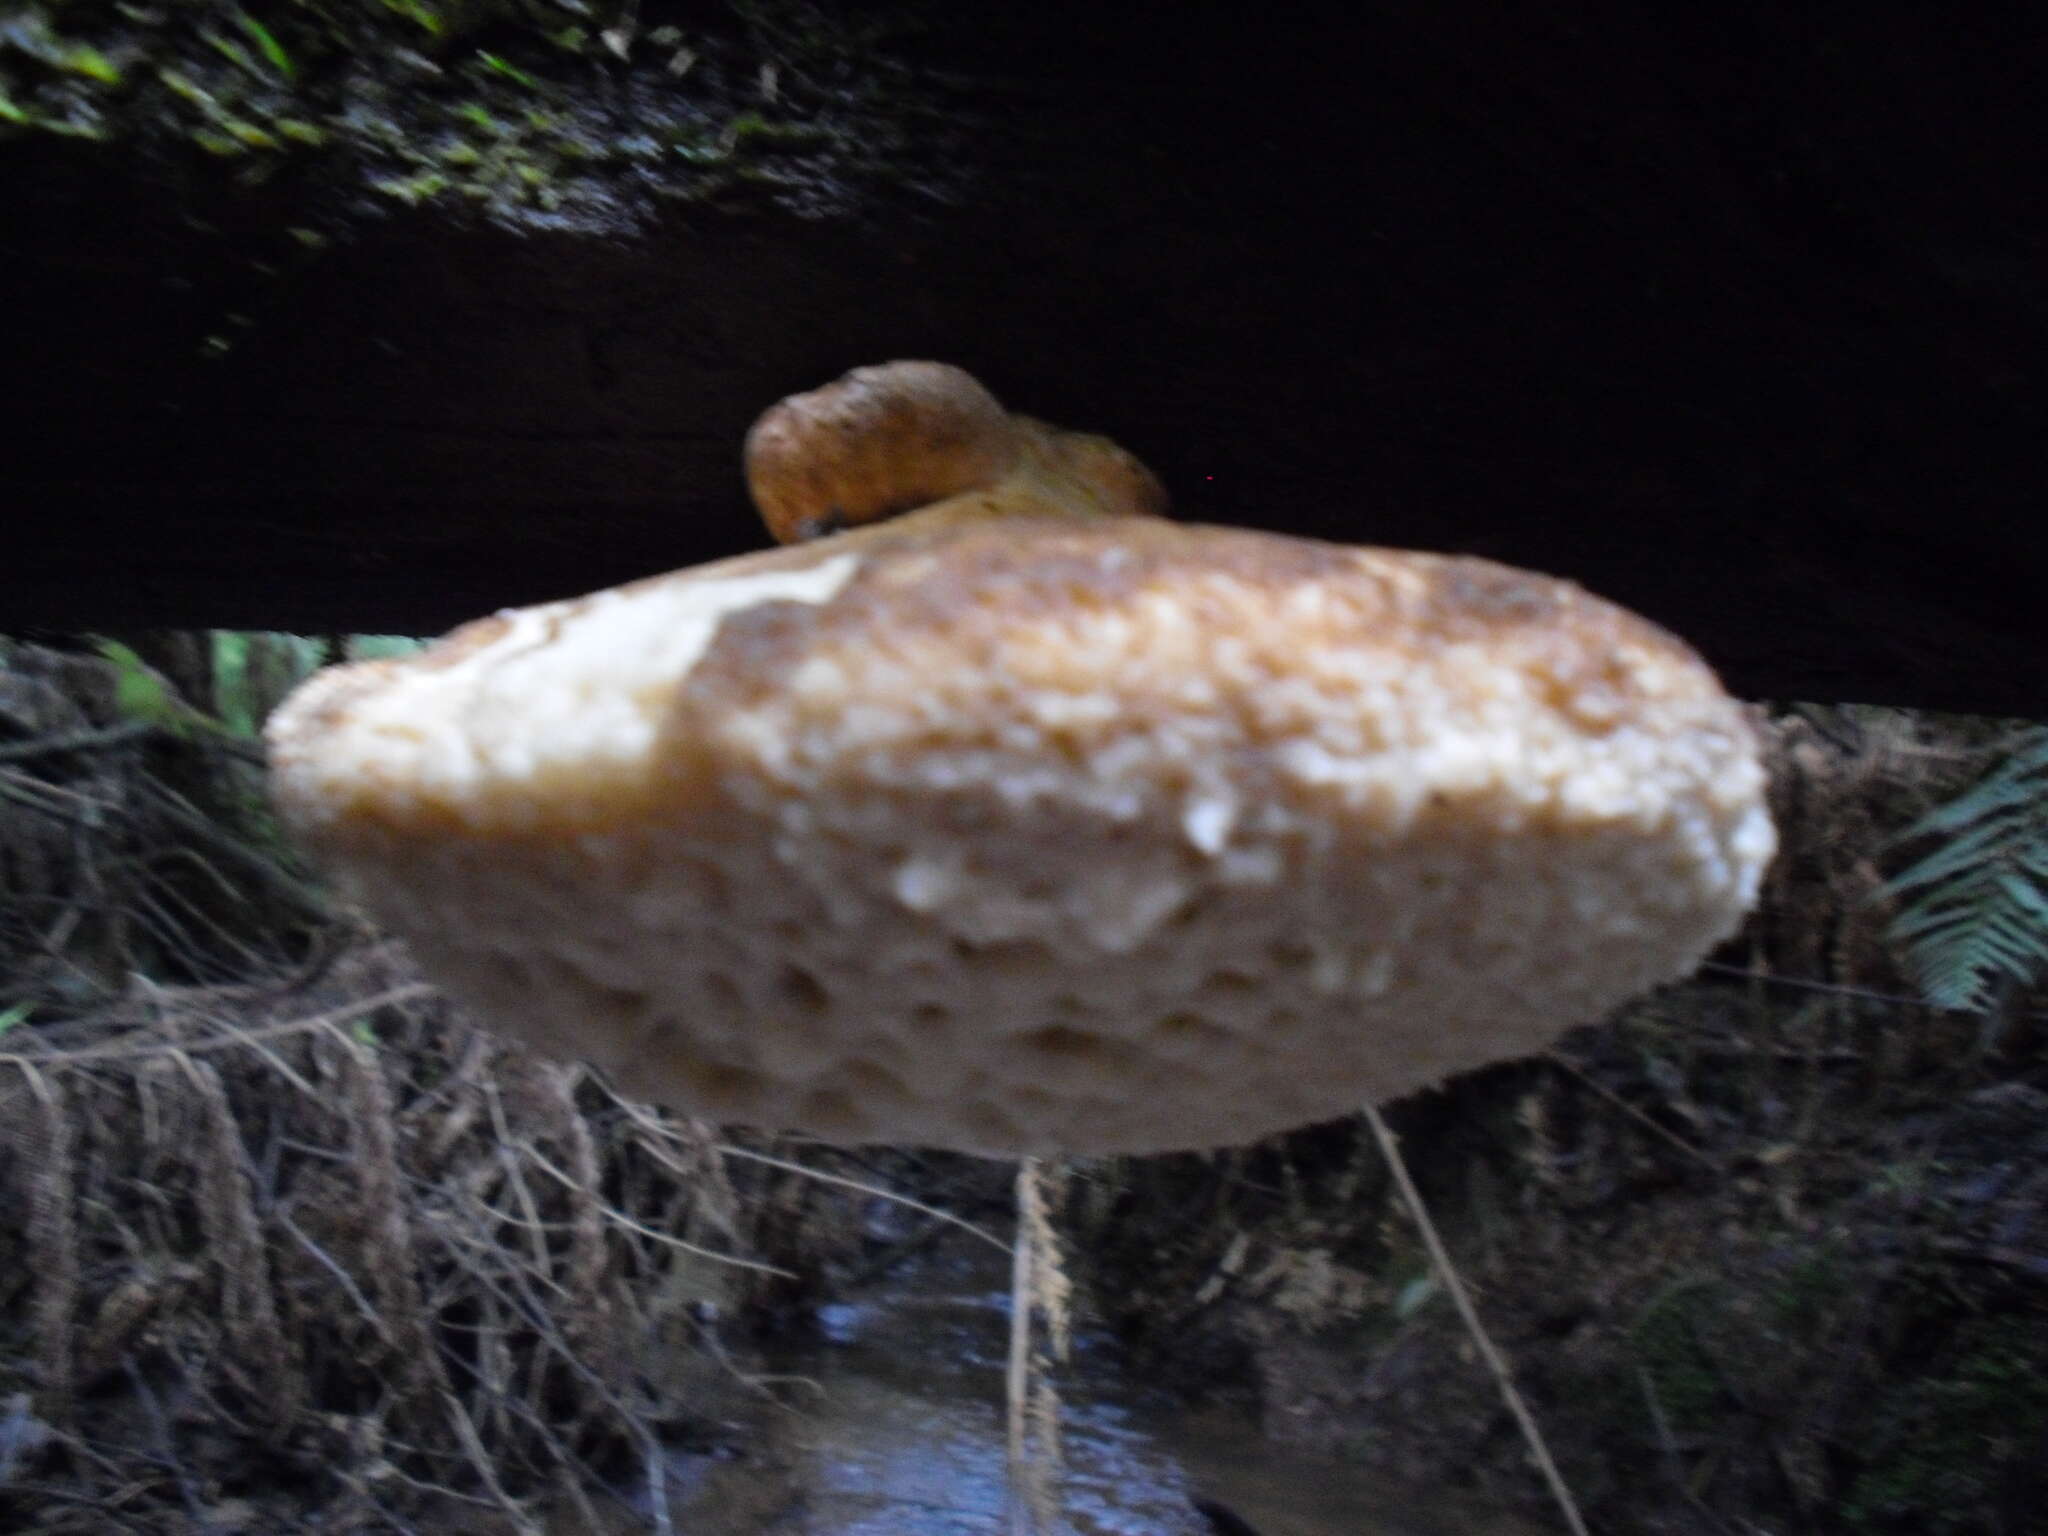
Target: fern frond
1974	912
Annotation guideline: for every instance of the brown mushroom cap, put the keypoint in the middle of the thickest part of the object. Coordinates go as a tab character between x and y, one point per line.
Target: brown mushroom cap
1023	833
874	443
886	439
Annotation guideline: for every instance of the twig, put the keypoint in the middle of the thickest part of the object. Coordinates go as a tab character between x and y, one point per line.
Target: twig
303	899
393	1468
1666	1445
1833	988
41	796
657	1487
619	1218
879	1193
78	741
54	1240
895	1257
341	1276
1600	1090
398	1526
333	1018
763	1385
161	1429
521	1302
166	891
480	1462
1016	1377
1441	1260
246	1037
103	1507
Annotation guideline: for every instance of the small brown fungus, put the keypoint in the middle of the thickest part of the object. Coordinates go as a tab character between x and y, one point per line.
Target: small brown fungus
1076	831
899	436
875	443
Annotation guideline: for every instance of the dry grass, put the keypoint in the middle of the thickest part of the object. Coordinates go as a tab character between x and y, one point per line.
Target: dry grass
285	1244
1041	1334
127	846
328	1242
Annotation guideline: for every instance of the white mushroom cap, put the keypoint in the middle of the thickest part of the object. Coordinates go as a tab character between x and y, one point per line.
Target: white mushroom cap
1028	833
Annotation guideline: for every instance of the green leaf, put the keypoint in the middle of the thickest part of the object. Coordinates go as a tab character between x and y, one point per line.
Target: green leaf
273	50
139	694
235	54
508	70
413	189
1973	913
93	64
248	133
17	1014
377	647
424	15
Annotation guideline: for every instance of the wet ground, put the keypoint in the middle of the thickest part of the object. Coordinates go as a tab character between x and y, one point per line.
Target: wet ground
908	1436
896	1429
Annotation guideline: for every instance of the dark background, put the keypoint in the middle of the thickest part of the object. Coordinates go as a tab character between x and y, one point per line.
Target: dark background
1736	314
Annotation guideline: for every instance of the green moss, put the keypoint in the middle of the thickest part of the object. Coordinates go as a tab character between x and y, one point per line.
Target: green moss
413	189
483	86
700	151
752	132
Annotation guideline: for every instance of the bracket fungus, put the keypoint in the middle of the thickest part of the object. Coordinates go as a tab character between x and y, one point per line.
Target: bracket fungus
1028	820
